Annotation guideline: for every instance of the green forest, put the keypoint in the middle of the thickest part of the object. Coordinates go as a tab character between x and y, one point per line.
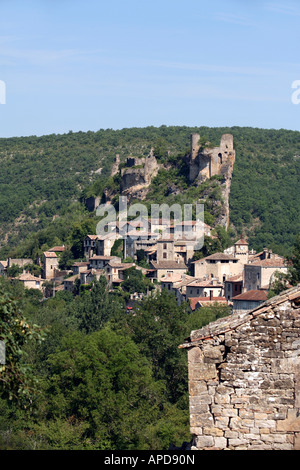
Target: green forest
85	375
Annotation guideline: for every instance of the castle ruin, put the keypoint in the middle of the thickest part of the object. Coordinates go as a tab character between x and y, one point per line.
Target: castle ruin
207	162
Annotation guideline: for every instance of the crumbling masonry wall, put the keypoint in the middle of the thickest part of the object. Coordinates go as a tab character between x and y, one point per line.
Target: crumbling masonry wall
244	379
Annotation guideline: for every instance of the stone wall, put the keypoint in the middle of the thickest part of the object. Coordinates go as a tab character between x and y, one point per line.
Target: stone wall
244	379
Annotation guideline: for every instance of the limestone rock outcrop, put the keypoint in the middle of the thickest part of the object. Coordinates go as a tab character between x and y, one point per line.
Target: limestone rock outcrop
138	174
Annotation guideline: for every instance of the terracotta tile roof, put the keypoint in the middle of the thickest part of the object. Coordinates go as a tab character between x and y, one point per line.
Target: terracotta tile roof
241	242
50	254
270	263
113	264
205	301
57	248
252	295
28	277
217	256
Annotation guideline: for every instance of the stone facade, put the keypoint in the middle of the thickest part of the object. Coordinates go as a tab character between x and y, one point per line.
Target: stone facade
244	379
218	266
50	265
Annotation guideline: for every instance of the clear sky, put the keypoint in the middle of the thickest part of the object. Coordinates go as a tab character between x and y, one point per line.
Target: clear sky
85	65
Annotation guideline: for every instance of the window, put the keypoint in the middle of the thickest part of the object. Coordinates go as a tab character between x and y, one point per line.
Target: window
165	246
164	255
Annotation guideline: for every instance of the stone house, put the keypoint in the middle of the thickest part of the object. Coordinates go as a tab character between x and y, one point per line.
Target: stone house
244	378
69	282
191	229
90	246
260	273
50	264
105	243
99	262
162	269
208	288
218	265
233	286
89	275
80	266
248	300
175	282
114	271
146	242
172	249
30	282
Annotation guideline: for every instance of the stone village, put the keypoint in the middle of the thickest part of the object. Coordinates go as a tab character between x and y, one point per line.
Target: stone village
238	276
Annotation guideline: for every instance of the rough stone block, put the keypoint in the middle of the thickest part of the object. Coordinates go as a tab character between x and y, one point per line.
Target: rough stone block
204	441
220	442
203	372
291	424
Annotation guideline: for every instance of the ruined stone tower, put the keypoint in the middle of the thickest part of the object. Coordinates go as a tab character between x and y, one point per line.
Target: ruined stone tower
116	164
205	162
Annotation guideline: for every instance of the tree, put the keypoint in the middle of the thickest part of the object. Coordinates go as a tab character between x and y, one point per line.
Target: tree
101	394
14	270
159	326
94	307
16	379
134	281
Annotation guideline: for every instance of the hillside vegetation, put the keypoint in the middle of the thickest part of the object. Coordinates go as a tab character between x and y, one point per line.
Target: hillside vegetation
44	181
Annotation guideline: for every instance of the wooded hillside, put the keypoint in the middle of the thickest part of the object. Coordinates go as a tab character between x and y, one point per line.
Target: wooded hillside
44	180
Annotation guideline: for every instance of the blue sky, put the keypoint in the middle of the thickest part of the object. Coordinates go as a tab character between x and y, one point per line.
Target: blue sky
85	65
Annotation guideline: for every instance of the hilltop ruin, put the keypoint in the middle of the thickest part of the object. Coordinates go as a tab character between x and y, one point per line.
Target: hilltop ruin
205	162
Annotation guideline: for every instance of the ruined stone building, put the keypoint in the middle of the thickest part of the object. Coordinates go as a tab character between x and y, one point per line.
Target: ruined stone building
138	174
205	162
244	378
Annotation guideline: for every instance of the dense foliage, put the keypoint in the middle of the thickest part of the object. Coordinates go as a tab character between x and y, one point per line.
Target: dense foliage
107	379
